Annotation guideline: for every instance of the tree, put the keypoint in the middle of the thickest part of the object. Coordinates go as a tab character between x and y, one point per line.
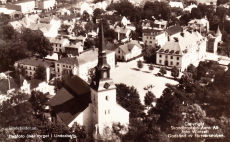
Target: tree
192	69
40	73
128	98
163	71
149	54
37	42
139	64
89	26
175	72
195	13
151	67
193	113
149	98
226	48
97	12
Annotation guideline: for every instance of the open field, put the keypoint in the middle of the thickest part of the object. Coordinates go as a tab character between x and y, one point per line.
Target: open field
129	74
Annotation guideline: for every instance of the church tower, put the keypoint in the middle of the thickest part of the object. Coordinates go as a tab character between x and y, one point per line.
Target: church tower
104	96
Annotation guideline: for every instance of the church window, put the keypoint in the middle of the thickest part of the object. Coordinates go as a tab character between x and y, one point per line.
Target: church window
160	56
107	98
159	61
177	58
104	74
166	56
171	63
171	57
177	63
105	111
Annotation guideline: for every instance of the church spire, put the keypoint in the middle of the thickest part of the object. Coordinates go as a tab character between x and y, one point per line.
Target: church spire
103	68
218	33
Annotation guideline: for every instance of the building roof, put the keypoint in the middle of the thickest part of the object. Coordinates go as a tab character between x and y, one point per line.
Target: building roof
48	19
88	56
129	46
218	33
122	30
26	21
40	26
160	22
5	85
69	60
174	30
58	40
15	24
34	83
181	43
78	44
199	21
34	62
176	4
152	32
110	17
71	100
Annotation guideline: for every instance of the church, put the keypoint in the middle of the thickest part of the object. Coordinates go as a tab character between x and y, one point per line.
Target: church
93	106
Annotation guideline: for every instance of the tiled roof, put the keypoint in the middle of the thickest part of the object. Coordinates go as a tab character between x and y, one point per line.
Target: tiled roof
15	24
34	62
88	56
173	30
69	60
59	41
71	100
34	83
182	44
129	46
26	21
152	32
110	17
4	85
40	26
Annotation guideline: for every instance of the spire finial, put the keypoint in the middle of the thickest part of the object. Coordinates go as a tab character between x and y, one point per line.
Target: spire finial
101	37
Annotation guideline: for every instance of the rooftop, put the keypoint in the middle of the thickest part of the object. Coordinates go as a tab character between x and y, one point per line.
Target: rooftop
35	62
174	30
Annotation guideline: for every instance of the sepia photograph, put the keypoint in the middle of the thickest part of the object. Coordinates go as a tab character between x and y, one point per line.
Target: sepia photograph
114	70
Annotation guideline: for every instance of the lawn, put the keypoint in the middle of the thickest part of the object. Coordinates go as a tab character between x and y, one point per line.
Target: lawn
129	74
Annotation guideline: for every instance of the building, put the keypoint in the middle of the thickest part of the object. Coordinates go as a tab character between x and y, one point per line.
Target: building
16	25
30	65
83	62
190	7
202	25
58	44
160	24
45	4
73	48
24	6
213	40
113	19
173	31
93	106
128	50
122	33
176	4
154	37
183	50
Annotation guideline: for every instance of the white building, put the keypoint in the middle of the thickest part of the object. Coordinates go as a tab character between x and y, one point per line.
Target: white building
25	6
93	106
83	62
183	50
30	65
176	4
154	37
128	51
202	25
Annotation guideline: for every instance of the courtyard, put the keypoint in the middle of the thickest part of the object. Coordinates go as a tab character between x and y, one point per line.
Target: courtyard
129	74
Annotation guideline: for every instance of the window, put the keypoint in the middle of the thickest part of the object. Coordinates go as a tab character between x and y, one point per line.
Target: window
150	41
108	111
104	74
177	58
60	45
26	72
63	65
105	111
57	64
107	98
171	63
166	56
159	61
147	37
58	70
69	66
30	68
150	37
171	57
34	68
118	51
160	56
177	63
30	73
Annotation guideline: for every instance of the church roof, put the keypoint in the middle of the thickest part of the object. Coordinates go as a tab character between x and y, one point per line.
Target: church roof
71	100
